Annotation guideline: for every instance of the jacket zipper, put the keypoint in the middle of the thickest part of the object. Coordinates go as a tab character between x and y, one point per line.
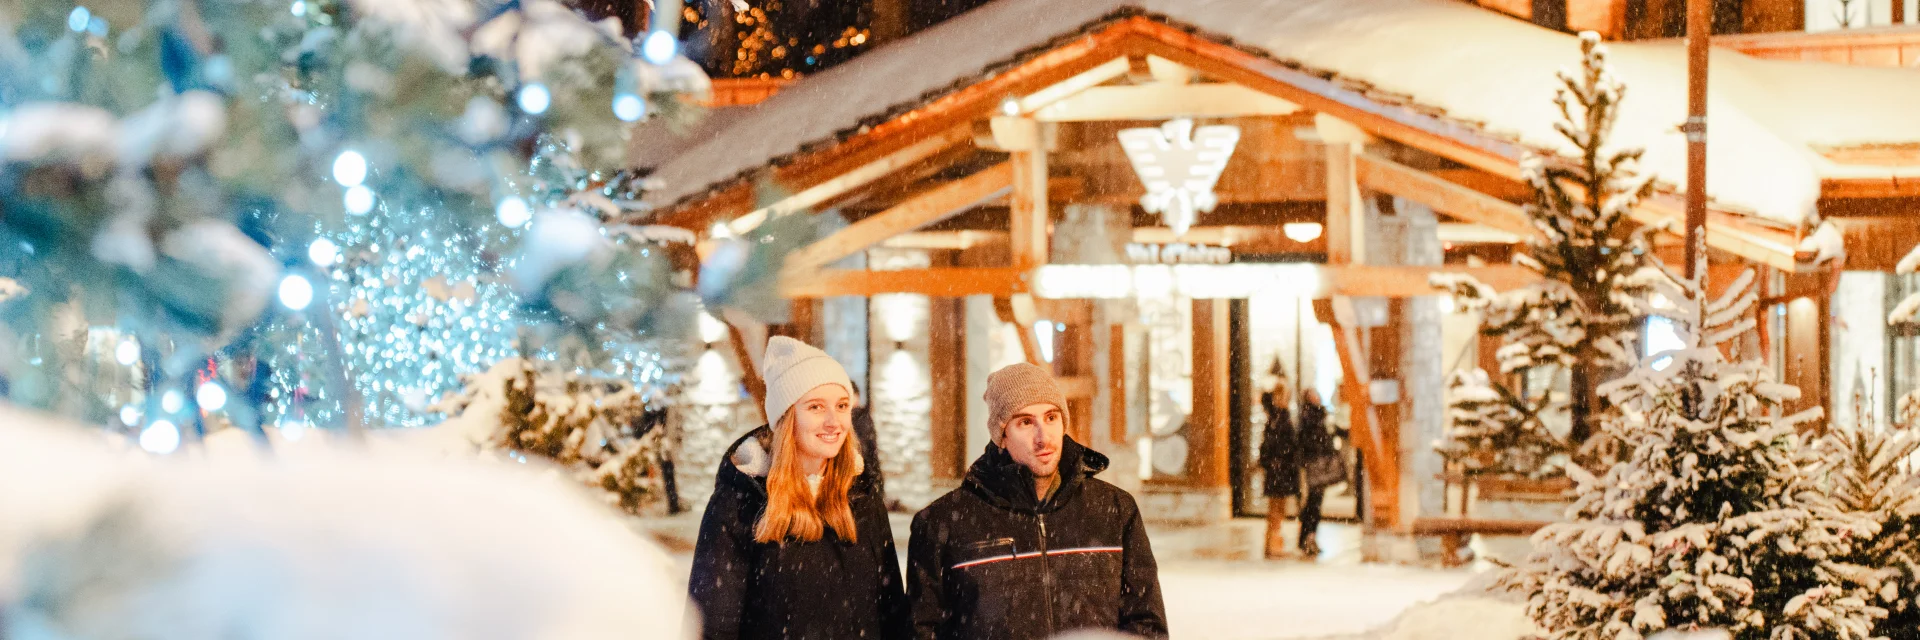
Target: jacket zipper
1046	575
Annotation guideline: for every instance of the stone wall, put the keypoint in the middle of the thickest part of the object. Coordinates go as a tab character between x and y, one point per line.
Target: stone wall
901	398
713	414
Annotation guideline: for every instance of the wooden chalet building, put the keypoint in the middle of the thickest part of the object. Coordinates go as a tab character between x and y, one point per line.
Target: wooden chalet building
993	216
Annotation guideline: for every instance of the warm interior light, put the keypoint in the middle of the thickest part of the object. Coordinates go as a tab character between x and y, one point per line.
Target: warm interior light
1301	231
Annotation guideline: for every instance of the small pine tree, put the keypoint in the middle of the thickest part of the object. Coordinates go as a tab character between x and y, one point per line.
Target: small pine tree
1707	521
1487	435
589	426
1584	316
1867	490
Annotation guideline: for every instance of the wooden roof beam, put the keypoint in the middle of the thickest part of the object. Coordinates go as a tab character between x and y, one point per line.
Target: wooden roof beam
861	176
1160	101
950	282
927	208
1386	176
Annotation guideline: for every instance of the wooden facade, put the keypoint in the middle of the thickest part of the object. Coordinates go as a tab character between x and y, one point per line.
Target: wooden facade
980	177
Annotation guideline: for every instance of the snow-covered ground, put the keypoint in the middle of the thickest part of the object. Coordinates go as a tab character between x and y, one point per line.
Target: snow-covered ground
1217	588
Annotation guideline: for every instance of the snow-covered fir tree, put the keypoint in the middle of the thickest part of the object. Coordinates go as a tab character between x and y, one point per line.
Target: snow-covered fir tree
1583	317
1709	520
379	167
1486	434
1865	486
597	429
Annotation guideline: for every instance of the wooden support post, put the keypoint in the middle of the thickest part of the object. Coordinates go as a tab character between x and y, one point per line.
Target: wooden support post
803	322
1073	360
947	367
1346	212
749	374
1207	427
1382	458
1347	228
1028	225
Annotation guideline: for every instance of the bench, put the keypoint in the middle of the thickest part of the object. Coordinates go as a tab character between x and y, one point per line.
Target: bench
1454	532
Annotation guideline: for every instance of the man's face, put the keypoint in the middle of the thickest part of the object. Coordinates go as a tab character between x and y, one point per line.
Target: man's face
1033	437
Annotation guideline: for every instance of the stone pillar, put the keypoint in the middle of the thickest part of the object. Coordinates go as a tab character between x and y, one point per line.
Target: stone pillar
1422	407
901	396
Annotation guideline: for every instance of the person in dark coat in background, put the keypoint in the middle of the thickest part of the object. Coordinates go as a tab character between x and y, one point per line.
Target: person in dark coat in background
1031	545
1282	477
869	443
795	543
1313	441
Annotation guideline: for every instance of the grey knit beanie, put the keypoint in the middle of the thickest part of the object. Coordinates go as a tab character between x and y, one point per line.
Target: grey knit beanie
791	369
1014	388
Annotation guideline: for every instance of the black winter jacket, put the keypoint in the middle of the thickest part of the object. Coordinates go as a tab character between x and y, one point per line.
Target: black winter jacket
829	589
989	561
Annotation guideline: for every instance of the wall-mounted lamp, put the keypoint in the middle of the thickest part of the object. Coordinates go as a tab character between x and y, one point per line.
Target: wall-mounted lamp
1302	231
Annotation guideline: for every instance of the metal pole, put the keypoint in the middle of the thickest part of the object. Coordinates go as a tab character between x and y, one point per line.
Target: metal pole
1699	31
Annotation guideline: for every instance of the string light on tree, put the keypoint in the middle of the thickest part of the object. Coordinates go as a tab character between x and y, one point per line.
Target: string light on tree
359	200
350	169
659	47
296	292
160	438
127	352
629	107
513	212
323	252
211	396
130	415
535	98
172	401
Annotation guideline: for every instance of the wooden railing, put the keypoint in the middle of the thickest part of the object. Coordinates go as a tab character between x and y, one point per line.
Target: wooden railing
1874	47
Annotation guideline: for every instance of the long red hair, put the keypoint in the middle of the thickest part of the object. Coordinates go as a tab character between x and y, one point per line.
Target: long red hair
793	510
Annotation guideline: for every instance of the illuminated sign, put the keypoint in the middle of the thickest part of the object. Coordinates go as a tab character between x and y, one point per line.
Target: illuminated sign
1179	165
1178	254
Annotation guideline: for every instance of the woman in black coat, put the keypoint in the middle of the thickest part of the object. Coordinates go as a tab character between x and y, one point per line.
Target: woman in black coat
1312	441
1282	474
795	542
1284	452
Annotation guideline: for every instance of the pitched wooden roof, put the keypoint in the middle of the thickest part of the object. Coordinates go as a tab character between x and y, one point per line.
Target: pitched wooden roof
1481	81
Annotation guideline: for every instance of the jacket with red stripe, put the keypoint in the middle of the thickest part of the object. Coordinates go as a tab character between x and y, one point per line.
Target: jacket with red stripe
989	561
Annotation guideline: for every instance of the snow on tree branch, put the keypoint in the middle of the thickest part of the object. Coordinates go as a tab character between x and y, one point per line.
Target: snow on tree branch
1585	314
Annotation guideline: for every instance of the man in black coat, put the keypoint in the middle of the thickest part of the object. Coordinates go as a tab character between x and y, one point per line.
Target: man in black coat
1031	545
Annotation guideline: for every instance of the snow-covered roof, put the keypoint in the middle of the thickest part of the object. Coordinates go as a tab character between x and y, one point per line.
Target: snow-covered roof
1767	119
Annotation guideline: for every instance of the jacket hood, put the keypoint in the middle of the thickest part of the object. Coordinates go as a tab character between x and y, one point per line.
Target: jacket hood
747	463
1001	481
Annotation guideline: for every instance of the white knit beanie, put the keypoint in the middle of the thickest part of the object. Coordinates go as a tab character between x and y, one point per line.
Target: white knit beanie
791	369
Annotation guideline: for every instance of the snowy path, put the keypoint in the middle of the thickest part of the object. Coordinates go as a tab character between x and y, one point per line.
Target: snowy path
1216	589
1269	601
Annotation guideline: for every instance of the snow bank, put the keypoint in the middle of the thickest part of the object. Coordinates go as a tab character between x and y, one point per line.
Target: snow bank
327	543
1473	612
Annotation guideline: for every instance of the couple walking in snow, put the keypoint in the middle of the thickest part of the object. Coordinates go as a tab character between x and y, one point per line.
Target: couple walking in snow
1299	460
795	541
